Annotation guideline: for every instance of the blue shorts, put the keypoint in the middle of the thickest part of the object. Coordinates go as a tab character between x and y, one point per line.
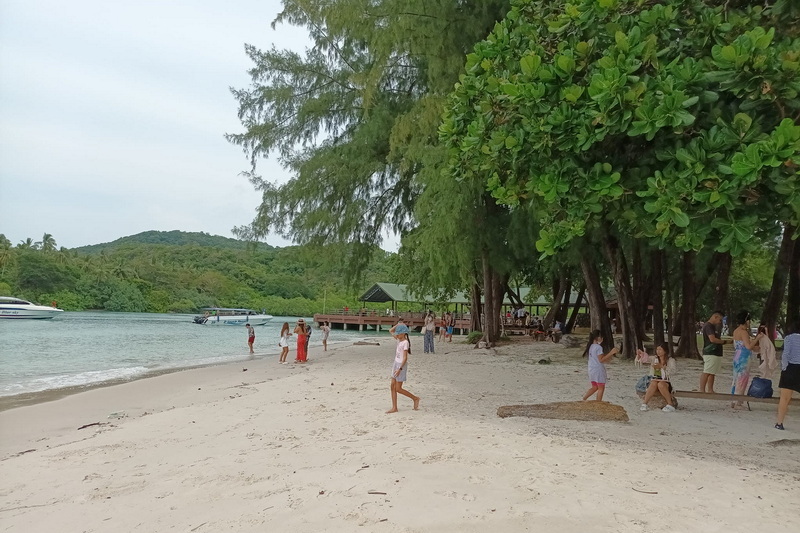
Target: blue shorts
449	330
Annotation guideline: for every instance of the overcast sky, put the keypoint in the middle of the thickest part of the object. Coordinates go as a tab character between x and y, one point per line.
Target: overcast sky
113	115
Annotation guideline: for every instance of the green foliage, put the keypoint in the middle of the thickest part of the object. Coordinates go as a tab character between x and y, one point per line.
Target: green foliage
133	275
41	271
751	280
125	297
174	238
669	121
354	119
474	336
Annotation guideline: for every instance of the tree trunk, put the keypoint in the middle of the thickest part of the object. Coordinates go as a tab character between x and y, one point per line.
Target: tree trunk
670	303
561	316
687	345
497	300
658	300
723	283
513	295
490	333
475	314
793	296
598	313
570	325
772	306
627	313
550	317
641	294
702	280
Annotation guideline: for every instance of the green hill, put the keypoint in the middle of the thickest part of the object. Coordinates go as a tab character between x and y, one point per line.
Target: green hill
172	238
175	271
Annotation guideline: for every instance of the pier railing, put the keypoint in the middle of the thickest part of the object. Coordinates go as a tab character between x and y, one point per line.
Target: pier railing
376	320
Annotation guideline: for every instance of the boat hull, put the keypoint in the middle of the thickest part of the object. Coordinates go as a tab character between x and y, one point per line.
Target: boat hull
29	314
238	320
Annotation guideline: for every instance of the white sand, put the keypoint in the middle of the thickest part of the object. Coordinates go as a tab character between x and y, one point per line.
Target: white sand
299	448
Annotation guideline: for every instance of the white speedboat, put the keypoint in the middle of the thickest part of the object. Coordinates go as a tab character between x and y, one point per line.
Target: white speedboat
229	316
18	308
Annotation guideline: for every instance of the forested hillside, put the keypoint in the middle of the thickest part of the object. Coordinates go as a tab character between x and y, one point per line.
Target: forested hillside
181	272
175	238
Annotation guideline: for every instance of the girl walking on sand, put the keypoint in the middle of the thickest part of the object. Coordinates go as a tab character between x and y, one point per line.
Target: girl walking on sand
400	366
597	369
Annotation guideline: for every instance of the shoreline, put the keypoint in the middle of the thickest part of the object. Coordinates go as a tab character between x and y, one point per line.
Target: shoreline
310	448
22	399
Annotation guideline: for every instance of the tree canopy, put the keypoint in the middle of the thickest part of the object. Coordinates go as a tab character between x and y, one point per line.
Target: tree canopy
674	120
639	127
354	119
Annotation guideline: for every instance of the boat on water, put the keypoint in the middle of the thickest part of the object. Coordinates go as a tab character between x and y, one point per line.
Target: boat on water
229	316
18	308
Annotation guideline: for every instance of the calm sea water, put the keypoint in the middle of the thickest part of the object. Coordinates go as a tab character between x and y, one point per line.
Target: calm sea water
87	348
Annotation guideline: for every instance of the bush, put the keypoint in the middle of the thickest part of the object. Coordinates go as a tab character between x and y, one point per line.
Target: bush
474	336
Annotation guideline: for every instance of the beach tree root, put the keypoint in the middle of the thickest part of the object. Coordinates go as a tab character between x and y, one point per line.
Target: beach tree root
590	411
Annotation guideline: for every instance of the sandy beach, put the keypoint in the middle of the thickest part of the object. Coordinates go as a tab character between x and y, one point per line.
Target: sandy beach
307	448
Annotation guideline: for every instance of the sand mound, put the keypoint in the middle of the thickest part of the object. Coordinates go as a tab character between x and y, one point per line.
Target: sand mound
594	411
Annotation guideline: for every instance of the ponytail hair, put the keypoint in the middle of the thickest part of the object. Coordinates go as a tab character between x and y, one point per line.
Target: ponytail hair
593	336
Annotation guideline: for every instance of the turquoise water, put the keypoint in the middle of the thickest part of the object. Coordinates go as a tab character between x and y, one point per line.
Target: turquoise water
88	348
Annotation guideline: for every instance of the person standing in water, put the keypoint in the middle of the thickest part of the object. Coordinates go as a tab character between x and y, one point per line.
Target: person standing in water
251	336
400	366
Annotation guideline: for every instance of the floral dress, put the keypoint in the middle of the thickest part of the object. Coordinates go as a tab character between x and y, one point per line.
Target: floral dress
741	368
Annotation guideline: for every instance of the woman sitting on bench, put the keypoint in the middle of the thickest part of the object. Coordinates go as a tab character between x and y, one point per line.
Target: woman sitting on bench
662	366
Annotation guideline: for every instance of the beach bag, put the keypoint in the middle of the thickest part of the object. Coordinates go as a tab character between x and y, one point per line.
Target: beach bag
643	383
760	388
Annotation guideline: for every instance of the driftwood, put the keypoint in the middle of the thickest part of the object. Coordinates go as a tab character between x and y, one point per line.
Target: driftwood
591	411
90	425
363	343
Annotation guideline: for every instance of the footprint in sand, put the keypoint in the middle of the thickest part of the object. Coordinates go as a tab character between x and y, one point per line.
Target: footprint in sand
456	496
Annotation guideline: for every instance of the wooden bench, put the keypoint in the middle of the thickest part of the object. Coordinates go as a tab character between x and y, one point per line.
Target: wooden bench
727	397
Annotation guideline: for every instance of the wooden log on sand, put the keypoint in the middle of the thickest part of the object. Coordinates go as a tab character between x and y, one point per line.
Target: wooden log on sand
589	411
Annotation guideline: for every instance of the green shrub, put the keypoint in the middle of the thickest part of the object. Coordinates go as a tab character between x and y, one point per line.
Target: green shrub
474	336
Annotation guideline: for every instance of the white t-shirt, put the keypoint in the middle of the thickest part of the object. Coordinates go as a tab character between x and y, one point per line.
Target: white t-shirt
402	347
325	332
430	323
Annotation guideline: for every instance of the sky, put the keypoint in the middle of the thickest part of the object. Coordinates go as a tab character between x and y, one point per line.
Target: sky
113	115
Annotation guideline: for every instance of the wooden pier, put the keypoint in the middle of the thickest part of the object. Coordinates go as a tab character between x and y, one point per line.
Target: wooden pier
369	320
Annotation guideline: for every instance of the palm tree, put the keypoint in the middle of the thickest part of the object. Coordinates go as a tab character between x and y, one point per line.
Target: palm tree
6	258
27	244
4	242
63	256
48	243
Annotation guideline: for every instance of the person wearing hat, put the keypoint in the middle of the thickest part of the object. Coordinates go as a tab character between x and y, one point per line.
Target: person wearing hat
300	331
400	366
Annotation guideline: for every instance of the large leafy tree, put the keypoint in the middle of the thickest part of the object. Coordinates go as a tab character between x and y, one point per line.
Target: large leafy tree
672	123
354	119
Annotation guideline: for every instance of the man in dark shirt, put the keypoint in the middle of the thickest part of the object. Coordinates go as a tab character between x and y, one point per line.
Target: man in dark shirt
712	351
